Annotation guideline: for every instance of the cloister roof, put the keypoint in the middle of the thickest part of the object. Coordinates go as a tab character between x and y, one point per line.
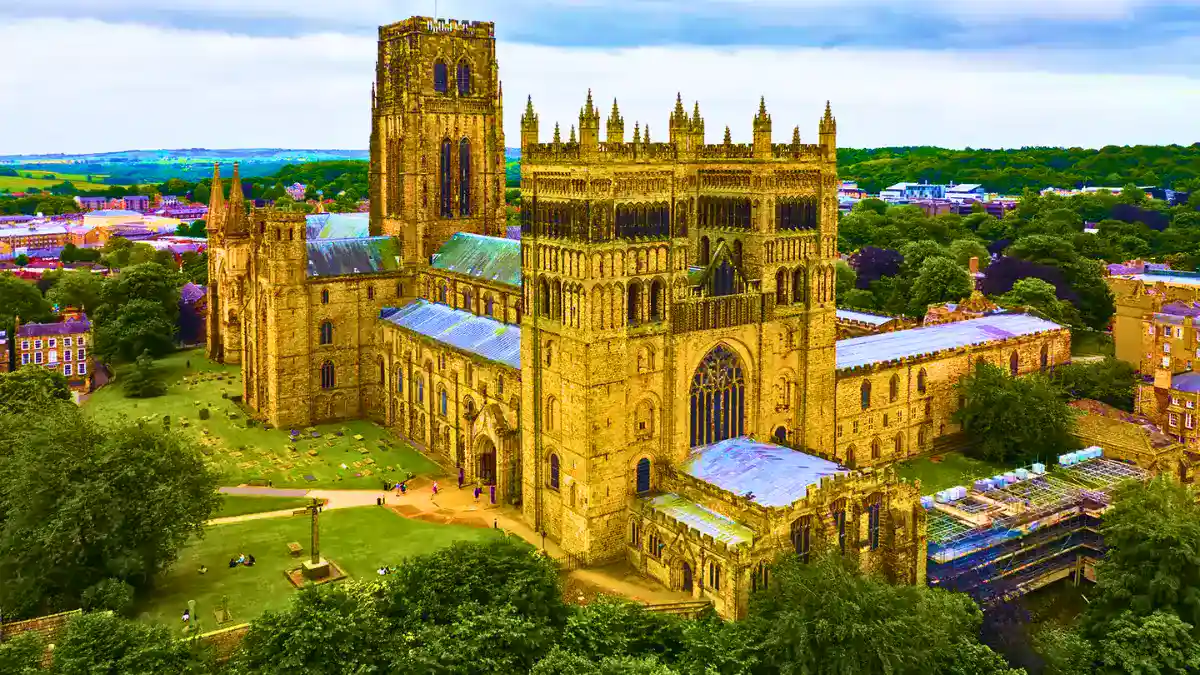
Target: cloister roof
765	473
868	349
479	335
488	258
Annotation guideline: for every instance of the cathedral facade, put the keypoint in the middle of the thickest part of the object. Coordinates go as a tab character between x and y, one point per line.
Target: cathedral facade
651	373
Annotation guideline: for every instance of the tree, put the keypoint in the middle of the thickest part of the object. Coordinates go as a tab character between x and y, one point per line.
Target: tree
148	281
872	263
1040	296
71	253
195	267
22	654
562	662
871	205
846	277
19	298
30	389
82	502
917	252
612	627
940	280
964	249
21	260
139	326
101	642
81	289
1159	643
202	193
1111	381
467	645
1013	420
144	381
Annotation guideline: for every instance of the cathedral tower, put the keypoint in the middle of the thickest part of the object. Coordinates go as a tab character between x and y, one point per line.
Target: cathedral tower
229	253
437	139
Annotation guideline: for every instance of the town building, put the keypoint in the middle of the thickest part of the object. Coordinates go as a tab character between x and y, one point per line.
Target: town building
63	345
4	353
910	191
90	203
966	192
651	373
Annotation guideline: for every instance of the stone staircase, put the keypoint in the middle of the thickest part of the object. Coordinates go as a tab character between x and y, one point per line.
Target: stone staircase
691	609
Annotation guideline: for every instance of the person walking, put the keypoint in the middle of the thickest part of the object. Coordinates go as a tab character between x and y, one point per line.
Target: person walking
461	475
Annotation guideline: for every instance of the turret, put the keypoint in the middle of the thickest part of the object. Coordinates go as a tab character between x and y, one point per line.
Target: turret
762	130
235	210
571	137
216	203
615	133
637	133
529	127
557	135
697	125
589	125
679	125
828	133
284	239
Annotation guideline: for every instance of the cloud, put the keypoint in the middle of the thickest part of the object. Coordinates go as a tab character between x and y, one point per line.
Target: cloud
148	87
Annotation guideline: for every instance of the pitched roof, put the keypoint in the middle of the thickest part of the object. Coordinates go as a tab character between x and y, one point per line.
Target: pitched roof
365	255
190	292
772	474
861	351
479	335
698	517
69	327
863	317
338	225
490	258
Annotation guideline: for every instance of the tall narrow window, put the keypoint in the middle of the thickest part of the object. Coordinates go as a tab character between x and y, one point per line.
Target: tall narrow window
874	506
802	537
921	381
399	381
441	77
894	388
327	375
635	303
324	297
1045	358
704	251
446	173
489	306
468	300
554	471
326	333
1014	364
420	390
718	397
643	476
464	177
839	523
657	291
443	402
714	576
865	394
463	78
781	290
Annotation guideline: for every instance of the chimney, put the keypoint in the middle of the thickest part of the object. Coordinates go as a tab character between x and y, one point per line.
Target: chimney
974	265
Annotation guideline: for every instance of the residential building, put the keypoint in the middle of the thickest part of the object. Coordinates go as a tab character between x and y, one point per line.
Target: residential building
64	345
89	203
4	353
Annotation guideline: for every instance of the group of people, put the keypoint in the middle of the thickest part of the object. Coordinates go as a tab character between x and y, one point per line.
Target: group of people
384	570
242	559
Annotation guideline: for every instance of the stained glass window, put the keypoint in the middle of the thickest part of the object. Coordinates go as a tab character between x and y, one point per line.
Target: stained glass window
718	397
464	177
447	209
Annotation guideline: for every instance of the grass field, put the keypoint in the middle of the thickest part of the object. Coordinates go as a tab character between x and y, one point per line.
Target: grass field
240	505
22	183
60	176
1091	343
359	540
953	469
353	454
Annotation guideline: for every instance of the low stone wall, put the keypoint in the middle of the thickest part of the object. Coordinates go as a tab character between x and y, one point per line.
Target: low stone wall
225	641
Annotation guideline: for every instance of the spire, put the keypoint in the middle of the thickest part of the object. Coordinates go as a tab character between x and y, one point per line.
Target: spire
530	117
529	105
589	104
235	188
762	106
616	113
236	208
637	132
557	135
216	200
762	122
572	138
796	135
615	131
696	113
680	113
646	138
728	137
828	112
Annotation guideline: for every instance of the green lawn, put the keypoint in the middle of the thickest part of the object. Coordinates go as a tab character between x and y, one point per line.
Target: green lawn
1091	343
239	505
22	184
243	453
954	469
359	540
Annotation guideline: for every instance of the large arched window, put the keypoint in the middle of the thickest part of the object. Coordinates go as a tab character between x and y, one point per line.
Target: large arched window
441	77
798	286
894	389
327	375
489	305
704	251
463	78
554	471
468	300
642	479
544	297
443	402
781	291
325	334
464	177
443	293
921	381
898	444
657	291
876	449
718	397
399	380
634	305
1014	364
865	393
874	507
420	390
445	172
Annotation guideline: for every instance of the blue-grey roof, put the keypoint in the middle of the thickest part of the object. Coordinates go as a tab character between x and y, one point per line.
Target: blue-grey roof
338	225
772	474
1169	278
700	518
365	255
490	258
113	212
479	335
863	317
861	351
1189	382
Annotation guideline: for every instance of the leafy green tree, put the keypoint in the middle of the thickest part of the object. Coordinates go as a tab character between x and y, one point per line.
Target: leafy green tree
202	193
101	642
116	251
144	380
195	267
77	288
1086	277
846	277
872	205
148	281
612	627
21	260
138	326
19	298
81	502
22	654
30	389
917	252
1157	643
1040	296
111	595
1063	650
1111	381
940	280
964	249
467	644
561	662
72	253
1013	420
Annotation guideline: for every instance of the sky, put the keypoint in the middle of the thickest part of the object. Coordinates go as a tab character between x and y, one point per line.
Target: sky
105	75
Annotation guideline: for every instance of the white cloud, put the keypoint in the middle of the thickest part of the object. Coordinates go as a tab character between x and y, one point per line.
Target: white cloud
138	87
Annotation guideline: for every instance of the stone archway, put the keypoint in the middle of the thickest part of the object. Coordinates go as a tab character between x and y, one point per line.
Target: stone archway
686	579
485	460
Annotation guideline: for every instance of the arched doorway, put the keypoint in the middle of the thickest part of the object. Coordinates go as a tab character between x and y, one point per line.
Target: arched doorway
485	461
687	578
780	435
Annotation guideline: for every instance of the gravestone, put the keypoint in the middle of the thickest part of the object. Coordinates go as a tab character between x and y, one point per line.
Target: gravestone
204	413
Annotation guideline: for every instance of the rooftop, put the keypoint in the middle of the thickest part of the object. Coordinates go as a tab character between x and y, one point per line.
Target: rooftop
190	292
764	473
338	225
69	327
1189	382
705	520
863	317
479	335
364	255
868	349
1169	278
113	212
490	258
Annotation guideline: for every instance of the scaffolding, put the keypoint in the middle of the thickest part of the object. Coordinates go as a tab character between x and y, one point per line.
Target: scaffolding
1007	541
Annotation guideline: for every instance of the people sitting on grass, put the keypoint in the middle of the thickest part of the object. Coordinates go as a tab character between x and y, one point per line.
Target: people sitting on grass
242	559
203	569
384	570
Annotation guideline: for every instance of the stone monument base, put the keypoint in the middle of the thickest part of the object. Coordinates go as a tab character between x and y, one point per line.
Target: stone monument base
313	574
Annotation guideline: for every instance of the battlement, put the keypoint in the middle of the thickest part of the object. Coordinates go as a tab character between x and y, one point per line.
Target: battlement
431	26
616	152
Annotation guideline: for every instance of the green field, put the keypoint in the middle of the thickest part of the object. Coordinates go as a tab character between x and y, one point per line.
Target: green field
243	453
240	505
22	183
359	540
953	469
1091	343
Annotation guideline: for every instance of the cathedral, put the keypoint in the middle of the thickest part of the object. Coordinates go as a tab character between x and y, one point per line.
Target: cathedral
651	373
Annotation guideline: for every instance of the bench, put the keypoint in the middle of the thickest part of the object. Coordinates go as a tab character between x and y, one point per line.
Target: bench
300	512
259	482
294	548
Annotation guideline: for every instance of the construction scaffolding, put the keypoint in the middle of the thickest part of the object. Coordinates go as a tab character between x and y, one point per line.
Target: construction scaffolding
996	543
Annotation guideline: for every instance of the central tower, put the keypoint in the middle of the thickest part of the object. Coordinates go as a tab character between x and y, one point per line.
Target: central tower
437	139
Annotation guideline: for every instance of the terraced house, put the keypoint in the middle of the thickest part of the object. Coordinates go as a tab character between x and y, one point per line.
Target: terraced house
651	373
